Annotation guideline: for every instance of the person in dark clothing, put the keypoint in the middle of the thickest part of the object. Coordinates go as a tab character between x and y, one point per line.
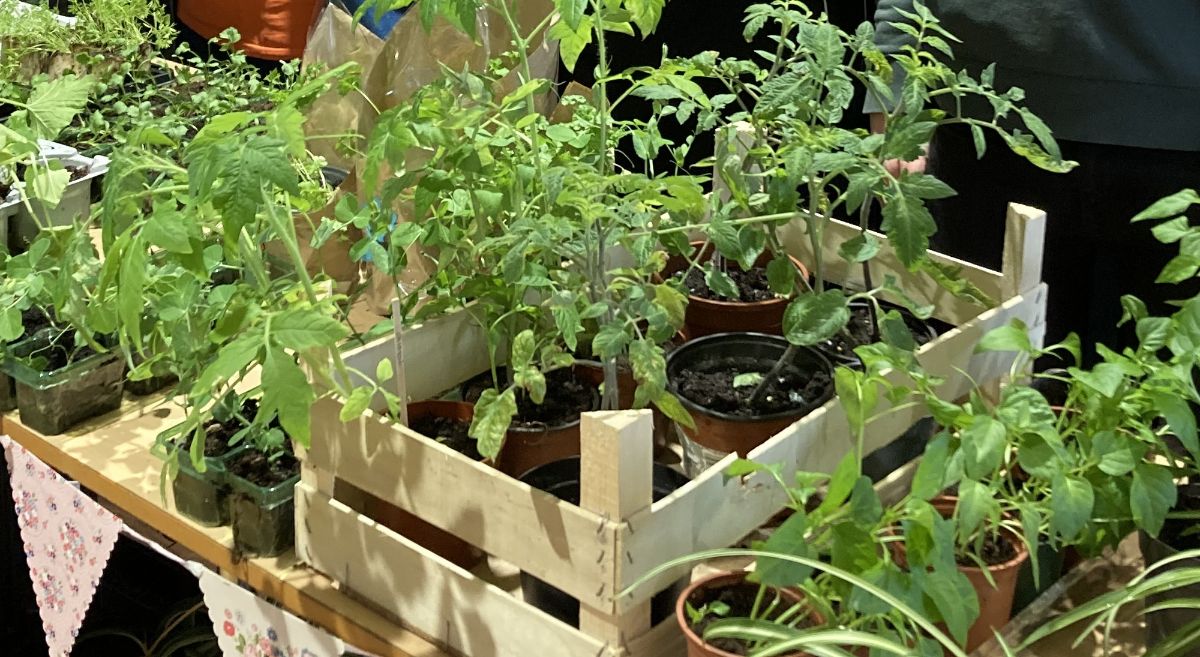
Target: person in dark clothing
1119	84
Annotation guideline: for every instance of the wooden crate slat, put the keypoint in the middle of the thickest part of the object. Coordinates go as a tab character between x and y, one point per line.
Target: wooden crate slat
712	512
427	593
557	542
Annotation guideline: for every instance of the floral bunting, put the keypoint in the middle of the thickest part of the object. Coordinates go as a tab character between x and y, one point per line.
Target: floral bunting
248	626
68	538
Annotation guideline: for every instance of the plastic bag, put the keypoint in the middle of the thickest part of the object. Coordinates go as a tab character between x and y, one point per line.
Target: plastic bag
335	40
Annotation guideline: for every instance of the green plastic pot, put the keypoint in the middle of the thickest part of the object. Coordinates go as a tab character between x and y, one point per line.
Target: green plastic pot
54	401
203	497
263	518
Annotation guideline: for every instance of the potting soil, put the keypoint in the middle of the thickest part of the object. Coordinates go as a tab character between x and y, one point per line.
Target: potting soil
752	285
711	386
450	432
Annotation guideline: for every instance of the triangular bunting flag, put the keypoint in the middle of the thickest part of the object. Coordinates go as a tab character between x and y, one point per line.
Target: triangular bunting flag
68	539
248	626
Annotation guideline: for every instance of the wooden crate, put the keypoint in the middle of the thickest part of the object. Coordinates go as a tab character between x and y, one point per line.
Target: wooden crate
595	550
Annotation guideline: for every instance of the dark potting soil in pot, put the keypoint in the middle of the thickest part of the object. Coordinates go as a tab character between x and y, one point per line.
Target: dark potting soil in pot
997	549
861	331
752	285
567	395
59	354
450	432
1181	534
5	188
33	319
254	466
78	172
740	600
713	389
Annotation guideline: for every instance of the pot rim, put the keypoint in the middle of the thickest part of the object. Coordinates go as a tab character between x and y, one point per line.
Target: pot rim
731	576
1013	537
737	306
799	412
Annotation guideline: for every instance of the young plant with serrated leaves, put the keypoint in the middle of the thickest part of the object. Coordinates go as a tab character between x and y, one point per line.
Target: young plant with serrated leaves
184	261
521	220
786	159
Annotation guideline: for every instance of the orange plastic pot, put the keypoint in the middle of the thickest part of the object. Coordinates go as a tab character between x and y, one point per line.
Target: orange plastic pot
741	434
436	540
995	602
696	647
526	448
707	316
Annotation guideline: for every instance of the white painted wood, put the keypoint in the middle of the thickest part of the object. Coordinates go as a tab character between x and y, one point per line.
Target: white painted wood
713	512
555	541
1024	238
439	354
616	481
427	593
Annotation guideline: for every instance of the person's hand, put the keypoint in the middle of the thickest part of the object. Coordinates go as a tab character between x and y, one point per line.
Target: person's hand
894	167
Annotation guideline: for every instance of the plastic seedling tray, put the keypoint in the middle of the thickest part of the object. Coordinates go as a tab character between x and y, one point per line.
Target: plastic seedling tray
54	401
204	496
76	202
263	518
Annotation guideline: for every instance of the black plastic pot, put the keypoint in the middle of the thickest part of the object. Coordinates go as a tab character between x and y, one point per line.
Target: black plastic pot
1053	390
263	518
333	177
149	386
52	402
8	393
561	479
891	457
1160	624
718	433
1050	570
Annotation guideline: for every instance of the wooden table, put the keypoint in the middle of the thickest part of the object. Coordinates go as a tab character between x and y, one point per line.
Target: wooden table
111	457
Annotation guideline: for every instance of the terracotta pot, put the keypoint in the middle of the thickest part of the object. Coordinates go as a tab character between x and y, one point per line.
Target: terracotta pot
729	433
436	540
995	603
696	647
707	316
526	448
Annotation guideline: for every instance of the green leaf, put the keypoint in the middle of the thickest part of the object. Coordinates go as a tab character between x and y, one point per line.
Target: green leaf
646	14
975	505
131	291
720	283
1012	337
566	319
983	443
493	415
532	381
1151	495
1117	456
524	91
11	327
908	225
840	484
53	105
571	42
1179	269
233	358
813	318
672	301
306	328
671	407
47	185
609	342
865	507
1180	419
929	480
287	392
781	276
1171	231
747	379
356	403
1105	378
1170	206
925	186
572	11
1071	504
860	248
168	230
383	371
954	598
791	539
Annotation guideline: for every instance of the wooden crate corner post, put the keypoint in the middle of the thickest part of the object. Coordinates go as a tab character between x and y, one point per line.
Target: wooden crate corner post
616	482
